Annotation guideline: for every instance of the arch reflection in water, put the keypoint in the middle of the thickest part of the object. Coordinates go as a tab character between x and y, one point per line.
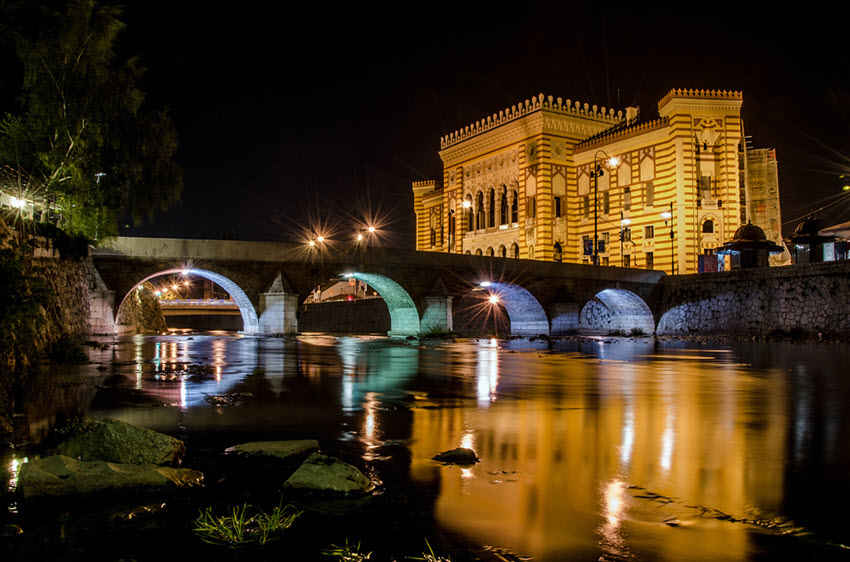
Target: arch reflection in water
371	366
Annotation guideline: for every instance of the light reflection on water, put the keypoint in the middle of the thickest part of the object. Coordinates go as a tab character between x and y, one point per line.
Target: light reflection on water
568	437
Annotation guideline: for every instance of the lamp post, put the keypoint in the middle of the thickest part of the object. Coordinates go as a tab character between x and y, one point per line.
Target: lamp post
668	216
597	171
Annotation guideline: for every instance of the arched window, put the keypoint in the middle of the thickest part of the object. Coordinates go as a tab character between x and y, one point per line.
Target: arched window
503	206
470	222
515	250
478	252
490	252
531	252
503	252
433	237
491	222
708	227
479	210
559	252
514	206
468	253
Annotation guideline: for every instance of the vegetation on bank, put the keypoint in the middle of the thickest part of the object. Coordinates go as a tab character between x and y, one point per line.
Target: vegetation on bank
244	525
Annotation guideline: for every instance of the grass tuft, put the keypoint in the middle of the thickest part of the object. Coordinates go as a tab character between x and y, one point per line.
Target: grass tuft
242	527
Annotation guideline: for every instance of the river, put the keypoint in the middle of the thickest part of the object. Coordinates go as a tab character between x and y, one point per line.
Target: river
591	449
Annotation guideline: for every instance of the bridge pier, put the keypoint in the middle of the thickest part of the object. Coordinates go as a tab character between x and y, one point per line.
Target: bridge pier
101	305
437	316
278	313
564	318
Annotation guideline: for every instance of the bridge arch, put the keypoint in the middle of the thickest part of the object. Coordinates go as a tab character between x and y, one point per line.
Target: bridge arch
404	317
525	312
250	321
616	310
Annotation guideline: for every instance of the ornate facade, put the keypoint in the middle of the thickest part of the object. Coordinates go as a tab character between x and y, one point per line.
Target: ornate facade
545	178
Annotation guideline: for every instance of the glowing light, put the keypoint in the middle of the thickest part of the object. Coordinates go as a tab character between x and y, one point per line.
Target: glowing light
468	440
466	204
186	283
184	272
485	284
174	287
359	237
846	188
613	162
320	239
311	243
157	293
666	215
493	299
348	275
614	504
371	229
625	222
17	203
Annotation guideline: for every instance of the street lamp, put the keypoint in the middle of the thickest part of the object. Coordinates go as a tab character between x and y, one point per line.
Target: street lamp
597	171
668	216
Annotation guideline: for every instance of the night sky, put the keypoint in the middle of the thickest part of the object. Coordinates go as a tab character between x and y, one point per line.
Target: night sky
291	114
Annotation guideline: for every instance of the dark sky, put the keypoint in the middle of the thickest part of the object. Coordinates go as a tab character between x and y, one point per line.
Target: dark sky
294	112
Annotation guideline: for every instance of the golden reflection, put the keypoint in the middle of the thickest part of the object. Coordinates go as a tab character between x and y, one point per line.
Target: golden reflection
570	452
487	372
14	471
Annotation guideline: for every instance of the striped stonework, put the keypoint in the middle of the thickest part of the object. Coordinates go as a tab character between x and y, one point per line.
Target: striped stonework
539	154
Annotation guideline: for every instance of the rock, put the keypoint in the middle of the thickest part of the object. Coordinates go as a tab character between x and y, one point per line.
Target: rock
325	475
59	475
461	456
274	450
115	441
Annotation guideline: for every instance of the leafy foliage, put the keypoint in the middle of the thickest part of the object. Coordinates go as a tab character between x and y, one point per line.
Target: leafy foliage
349	552
83	140
243	528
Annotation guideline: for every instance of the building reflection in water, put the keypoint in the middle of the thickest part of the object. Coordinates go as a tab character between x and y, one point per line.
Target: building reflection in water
584	431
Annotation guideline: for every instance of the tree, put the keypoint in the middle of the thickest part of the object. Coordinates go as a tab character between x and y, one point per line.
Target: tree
83	140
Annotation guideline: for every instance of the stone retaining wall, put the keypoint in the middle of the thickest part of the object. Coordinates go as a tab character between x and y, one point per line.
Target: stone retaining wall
364	316
813	298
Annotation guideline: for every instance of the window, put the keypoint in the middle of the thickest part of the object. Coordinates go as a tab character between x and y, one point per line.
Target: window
559	253
606	237
601	244
503	207
587	205
503	252
587	245
557	206
492	215
605	260
650	193
515	250
490	252
514	206
649	231
531	252
470	221
606	202
705	187
531	207
480	217
708	227
478	252
650	260
627	198
627	234
452	229
627	260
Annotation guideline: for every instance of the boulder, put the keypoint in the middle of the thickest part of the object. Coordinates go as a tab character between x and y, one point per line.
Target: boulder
59	475
116	441
274	450
461	456
328	476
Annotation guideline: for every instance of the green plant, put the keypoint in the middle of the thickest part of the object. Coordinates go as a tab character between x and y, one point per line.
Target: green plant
347	552
242	528
430	556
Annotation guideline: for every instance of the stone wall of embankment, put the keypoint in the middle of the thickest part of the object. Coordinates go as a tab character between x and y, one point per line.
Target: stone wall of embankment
812	298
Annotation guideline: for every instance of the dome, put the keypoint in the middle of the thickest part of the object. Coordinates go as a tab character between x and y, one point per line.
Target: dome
808	227
749	233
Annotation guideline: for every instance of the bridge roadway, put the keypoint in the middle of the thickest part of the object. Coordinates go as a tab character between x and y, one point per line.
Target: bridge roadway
269	280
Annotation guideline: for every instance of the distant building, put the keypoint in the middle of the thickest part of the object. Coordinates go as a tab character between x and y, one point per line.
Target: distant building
537	181
762	180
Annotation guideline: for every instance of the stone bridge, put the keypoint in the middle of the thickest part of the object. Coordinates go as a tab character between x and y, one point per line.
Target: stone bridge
269	281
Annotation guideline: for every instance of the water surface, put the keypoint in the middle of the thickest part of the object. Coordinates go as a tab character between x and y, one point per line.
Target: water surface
606	448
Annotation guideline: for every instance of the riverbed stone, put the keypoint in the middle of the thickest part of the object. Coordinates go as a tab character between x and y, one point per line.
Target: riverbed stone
461	456
59	475
116	441
328	476
274	450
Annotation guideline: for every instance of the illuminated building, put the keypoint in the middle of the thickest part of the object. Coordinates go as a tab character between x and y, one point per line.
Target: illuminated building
520	183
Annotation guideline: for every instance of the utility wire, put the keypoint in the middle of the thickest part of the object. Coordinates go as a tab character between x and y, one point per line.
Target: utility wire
840	198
